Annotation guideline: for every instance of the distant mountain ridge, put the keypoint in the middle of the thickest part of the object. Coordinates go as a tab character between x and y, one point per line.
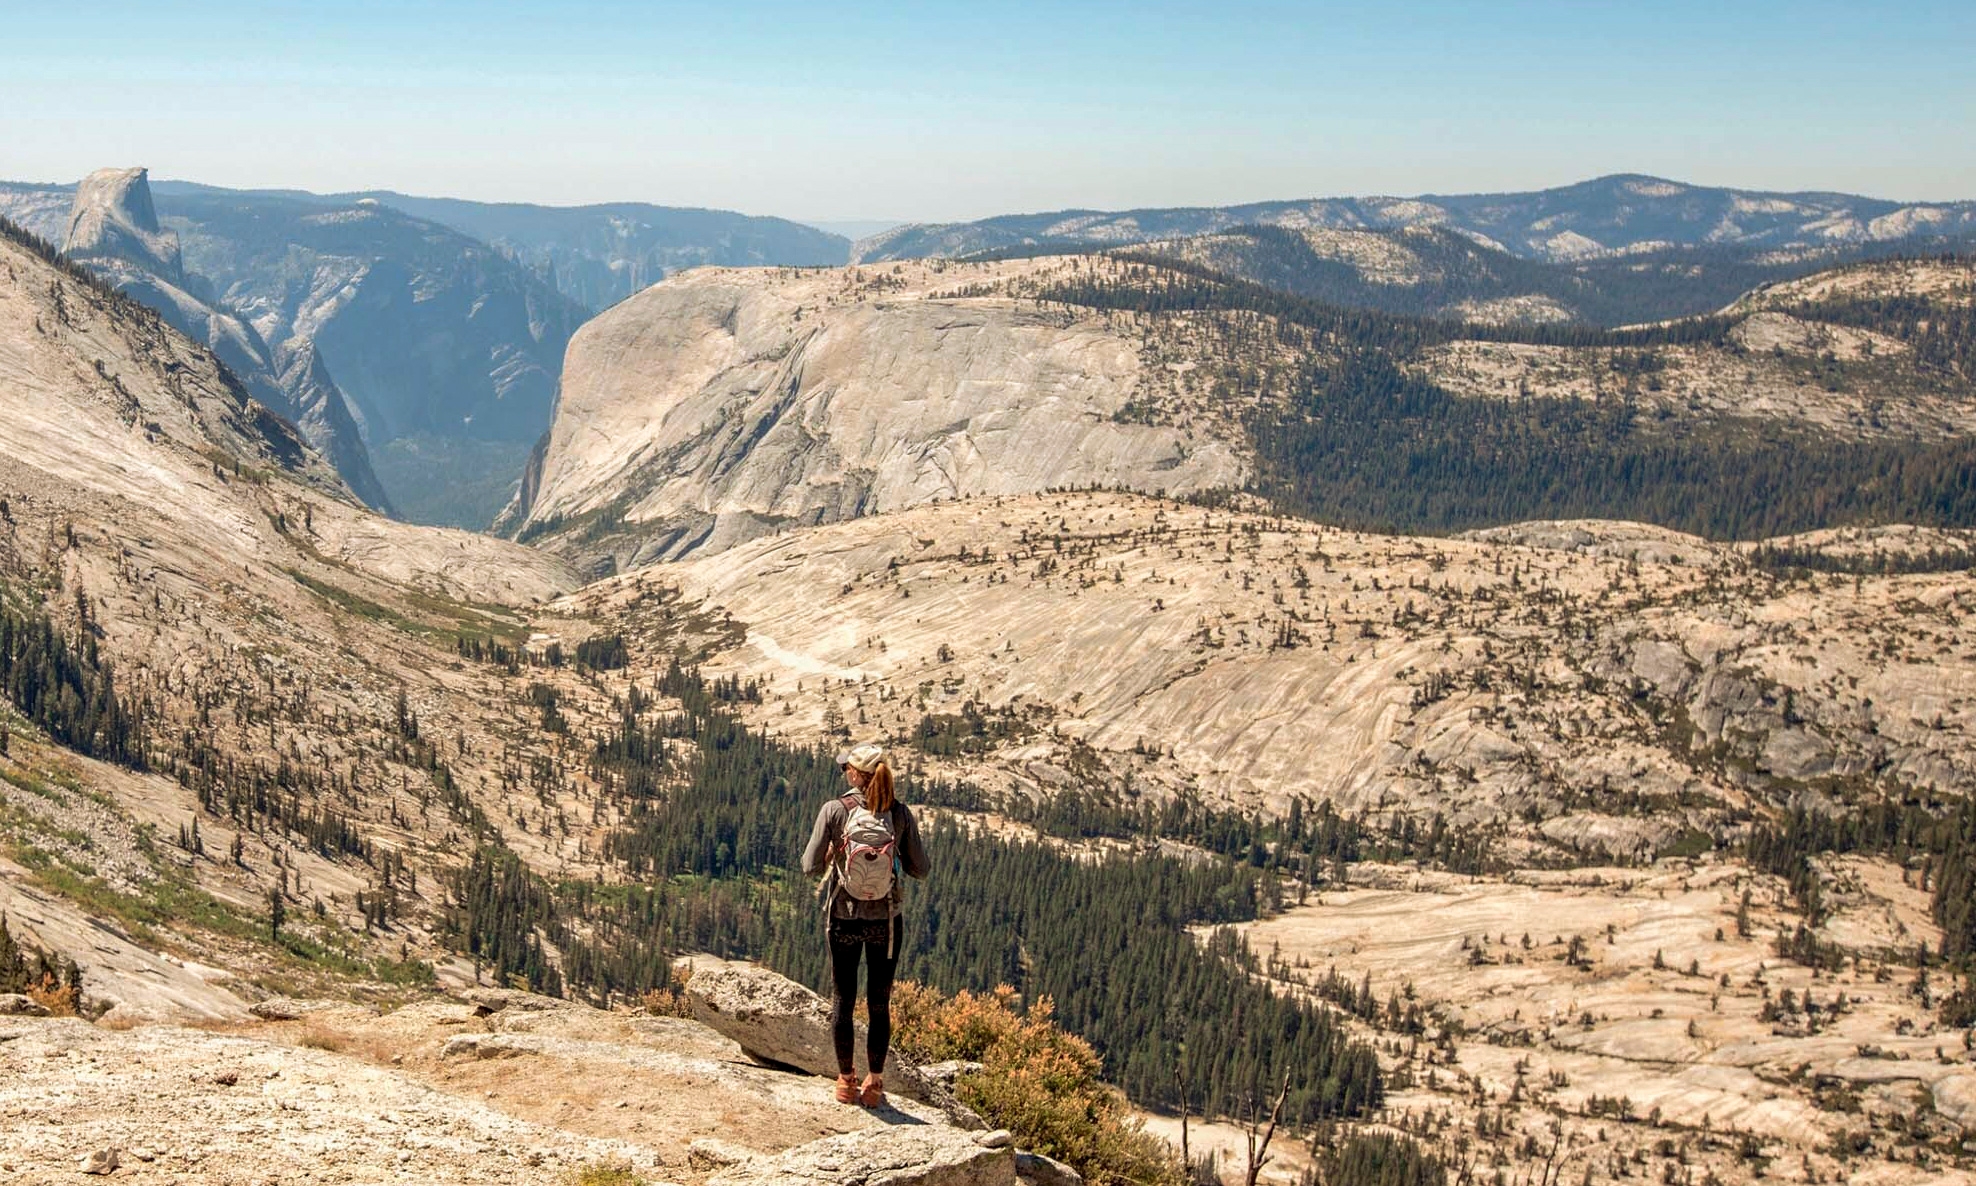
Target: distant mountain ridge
1603	217
1445	274
599	254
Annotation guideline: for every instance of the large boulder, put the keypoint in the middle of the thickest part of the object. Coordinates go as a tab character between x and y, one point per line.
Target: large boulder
774	1019
888	1155
779	1022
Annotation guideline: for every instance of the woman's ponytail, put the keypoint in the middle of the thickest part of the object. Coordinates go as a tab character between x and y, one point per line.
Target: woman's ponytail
878	790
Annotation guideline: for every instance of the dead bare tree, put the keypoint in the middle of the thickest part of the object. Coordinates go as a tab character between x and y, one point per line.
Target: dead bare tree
1259	1152
1180	1081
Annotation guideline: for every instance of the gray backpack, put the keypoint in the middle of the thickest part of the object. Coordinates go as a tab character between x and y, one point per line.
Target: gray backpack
870	853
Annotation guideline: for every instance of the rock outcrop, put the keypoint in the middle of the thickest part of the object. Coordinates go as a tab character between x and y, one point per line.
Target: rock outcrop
908	1155
13	1004
114	219
500	1087
724	405
779	1022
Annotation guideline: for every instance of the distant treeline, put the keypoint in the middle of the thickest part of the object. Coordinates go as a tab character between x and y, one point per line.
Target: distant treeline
1940	330
68	690
1151	283
1787	557
1449	269
1368	445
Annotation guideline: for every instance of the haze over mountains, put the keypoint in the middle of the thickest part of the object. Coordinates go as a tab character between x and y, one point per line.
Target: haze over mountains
598	255
443	322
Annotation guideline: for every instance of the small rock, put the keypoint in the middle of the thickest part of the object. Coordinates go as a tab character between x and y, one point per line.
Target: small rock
292	1009
709	1153
13	1004
143	1154
944	1073
494	1000
227	1078
1045	1171
103	1161
994	1139
471	1046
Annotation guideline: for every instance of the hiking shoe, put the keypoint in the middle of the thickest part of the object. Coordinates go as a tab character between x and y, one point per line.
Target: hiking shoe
847	1089
872	1095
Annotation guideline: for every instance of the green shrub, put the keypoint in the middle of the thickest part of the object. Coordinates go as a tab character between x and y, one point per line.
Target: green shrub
1037	1081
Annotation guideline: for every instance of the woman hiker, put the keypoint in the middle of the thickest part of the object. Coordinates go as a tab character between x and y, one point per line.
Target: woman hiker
860	844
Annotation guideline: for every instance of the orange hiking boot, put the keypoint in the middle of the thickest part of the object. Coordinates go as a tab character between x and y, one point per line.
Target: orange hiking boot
873	1093
847	1089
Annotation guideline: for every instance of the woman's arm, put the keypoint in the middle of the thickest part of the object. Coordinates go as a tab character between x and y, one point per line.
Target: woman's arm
912	852
823	837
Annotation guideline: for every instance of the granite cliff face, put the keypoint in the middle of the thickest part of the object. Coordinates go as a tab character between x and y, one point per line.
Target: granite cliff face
723	405
113	230
447	350
113	218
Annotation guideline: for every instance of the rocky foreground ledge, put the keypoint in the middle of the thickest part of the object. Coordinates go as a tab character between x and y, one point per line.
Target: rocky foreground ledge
490	1087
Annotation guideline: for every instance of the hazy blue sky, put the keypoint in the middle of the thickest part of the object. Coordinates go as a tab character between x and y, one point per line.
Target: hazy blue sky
849	110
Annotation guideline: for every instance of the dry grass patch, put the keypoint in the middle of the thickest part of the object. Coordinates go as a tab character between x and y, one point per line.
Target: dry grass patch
602	1174
319	1037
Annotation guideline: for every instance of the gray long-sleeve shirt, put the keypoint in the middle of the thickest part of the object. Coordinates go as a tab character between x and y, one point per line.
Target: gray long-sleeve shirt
823	843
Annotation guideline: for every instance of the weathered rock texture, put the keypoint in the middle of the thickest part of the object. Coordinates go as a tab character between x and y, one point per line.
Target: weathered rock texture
911	1155
448	1091
1267	660
723	405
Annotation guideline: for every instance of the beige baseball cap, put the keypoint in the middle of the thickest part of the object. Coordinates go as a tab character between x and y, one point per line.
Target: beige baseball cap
864	757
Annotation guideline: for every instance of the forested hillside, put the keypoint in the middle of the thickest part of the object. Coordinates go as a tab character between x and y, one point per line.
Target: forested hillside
1360	420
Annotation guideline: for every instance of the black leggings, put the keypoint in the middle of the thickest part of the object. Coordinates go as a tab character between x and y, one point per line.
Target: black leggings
875	940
